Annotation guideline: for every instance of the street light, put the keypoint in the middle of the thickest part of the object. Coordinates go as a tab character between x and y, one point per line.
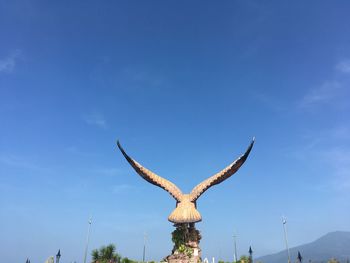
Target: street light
58	256
300	258
235	255
250	254
284	222
87	239
144	247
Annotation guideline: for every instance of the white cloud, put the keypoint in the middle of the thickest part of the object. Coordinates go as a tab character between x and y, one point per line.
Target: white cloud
339	159
7	65
340	133
323	94
344	66
96	119
18	161
334	92
269	101
76	150
329	151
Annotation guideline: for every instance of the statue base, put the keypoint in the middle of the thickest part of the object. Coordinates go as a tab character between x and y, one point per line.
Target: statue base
186	240
181	258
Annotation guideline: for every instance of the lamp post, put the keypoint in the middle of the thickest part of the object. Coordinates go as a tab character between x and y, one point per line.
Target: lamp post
235	246
87	239
58	256
144	247
250	254
284	222
300	258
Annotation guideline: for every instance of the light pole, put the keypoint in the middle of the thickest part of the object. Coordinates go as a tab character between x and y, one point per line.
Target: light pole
144	247
58	256
284	222
87	239
235	255
300	258
250	254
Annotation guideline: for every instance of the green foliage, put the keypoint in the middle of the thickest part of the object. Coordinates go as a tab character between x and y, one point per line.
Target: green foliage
333	260
95	255
127	260
244	259
178	237
183	249
106	254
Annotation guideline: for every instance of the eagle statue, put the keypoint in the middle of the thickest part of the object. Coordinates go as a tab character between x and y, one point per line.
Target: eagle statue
186	208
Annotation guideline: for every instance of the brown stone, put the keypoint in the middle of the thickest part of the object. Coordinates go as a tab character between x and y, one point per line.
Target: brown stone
186	206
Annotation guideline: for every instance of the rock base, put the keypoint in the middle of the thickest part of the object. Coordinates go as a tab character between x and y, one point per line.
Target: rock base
186	240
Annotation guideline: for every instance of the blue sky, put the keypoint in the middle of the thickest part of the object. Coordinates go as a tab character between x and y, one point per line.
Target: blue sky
184	85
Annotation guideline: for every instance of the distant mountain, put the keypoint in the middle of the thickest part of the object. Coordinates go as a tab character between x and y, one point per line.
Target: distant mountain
332	245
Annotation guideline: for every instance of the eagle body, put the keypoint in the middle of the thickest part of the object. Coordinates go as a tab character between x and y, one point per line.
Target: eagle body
185	211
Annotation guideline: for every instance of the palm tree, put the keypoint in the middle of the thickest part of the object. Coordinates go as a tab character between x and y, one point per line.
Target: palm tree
95	255
106	254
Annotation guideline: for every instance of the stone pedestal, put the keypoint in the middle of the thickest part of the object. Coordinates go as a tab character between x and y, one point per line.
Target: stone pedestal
186	240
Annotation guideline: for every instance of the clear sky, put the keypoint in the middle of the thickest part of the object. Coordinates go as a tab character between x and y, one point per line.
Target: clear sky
184	85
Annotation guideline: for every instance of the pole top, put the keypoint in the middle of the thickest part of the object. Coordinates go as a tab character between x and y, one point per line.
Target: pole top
250	250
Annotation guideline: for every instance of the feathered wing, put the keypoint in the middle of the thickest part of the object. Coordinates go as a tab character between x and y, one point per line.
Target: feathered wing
221	176
152	177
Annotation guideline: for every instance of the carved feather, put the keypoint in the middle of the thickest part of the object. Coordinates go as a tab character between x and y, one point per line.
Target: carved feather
152	177
221	176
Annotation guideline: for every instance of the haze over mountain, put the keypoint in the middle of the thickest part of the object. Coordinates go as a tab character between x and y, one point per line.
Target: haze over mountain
332	245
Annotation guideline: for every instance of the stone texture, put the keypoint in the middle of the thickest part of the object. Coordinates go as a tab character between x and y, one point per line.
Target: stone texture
186	206
186	248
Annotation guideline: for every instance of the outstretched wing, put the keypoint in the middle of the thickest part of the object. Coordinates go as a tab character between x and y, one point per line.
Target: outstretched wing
221	176
152	177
